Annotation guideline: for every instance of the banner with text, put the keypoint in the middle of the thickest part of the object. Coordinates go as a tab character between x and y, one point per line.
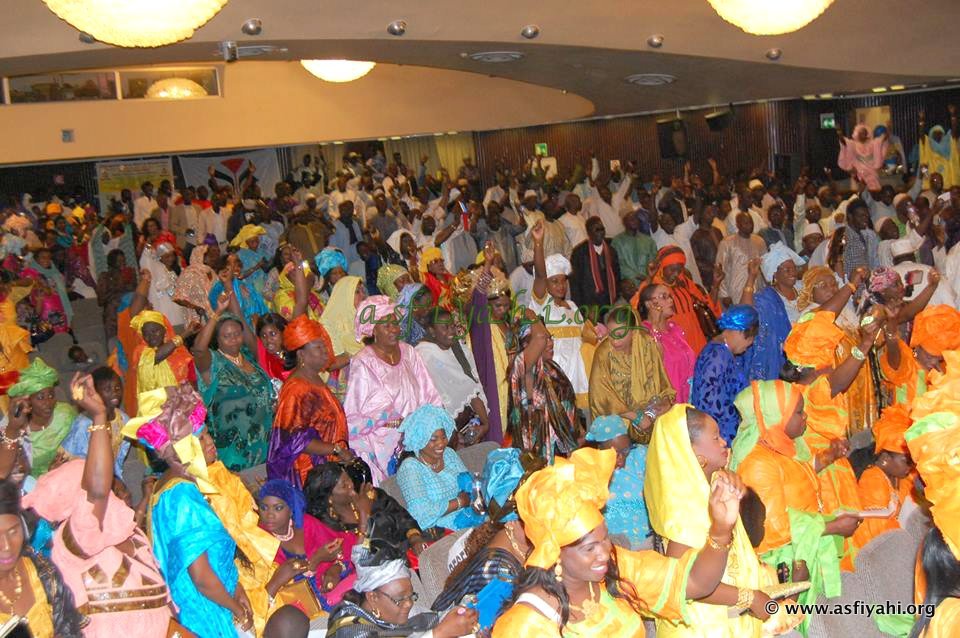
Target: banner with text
234	169
113	177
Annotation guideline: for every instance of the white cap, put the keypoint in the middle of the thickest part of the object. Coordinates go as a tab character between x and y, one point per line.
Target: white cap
899	197
877	225
812	229
530	193
900	247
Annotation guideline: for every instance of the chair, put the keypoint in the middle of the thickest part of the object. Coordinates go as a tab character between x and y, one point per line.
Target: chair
475	456
918	524
833	625
391	487
54	350
433	566
891	553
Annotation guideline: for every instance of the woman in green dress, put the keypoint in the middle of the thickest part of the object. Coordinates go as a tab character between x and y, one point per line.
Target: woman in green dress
50	420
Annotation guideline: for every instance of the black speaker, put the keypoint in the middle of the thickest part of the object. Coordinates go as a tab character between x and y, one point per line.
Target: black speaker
672	135
719	120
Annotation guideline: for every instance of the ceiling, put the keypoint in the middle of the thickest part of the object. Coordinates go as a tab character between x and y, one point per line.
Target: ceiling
585	48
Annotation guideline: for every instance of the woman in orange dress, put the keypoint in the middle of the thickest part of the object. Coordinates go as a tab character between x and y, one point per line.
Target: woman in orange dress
904	369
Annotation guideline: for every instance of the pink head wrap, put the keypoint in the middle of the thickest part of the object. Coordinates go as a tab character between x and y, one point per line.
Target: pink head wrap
883	278
370	312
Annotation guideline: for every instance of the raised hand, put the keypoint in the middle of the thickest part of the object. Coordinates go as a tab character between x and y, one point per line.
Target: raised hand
726	489
537	231
85	395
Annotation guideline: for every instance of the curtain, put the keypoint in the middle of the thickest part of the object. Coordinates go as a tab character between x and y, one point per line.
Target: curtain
411	149
451	149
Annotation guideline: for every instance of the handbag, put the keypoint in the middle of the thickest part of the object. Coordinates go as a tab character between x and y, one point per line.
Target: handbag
300	595
706	319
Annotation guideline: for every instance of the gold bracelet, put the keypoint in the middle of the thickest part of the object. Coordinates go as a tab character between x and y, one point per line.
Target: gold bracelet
177	341
717	546
97	427
745	598
412	533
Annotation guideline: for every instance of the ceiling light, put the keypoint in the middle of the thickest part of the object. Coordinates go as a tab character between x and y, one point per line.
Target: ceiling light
774	54
655	41
897	87
338	70
530	31
762	17
451	132
137	23
826	96
175	89
253	26
809	97
879	89
397	27
496	57
650	79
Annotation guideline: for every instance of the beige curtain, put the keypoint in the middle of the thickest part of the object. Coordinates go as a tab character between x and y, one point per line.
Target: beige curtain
333	155
451	149
411	149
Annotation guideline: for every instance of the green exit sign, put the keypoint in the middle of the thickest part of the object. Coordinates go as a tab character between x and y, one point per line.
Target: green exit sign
540	149
828	120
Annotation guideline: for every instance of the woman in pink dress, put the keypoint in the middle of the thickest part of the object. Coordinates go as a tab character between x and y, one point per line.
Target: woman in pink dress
862	155
656	307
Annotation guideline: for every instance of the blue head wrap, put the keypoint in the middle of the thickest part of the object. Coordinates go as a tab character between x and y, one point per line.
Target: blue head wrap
501	477
879	130
420	425
328	259
739	317
606	428
282	489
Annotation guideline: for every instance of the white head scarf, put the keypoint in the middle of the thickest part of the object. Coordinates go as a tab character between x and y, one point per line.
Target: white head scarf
557	264
777	255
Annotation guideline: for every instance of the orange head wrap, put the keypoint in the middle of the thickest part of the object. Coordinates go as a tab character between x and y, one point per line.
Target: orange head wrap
889	429
936	329
561	504
813	341
668	256
302	331
945	393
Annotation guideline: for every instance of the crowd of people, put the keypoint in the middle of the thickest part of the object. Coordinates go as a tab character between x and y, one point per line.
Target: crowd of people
705	393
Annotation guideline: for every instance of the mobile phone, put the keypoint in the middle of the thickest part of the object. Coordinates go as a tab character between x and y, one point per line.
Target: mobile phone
914	277
17	411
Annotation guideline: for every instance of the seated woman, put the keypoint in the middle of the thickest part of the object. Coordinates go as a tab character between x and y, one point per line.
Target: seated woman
109	388
315	552
50	296
32	583
576	581
193	549
388	381
887	481
494	552
903	369
777	308
772	458
380	602
414	308
235	388
104	557
49	420
391	280
685	452
627	377
331	265
657	307
343	504
454	374
543	419
310	425
434	481
626	513
719	374
339	319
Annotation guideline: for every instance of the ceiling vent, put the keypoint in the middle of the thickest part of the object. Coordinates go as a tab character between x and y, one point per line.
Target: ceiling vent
650	79
496	57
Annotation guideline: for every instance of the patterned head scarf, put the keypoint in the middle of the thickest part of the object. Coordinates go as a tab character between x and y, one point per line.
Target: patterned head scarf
501	477
386	276
35	377
883	278
889	429
562	503
145	317
282	489
419	426
606	428
328	259
936	329
372	576
372	310
811	280
813	341
765	408
740	317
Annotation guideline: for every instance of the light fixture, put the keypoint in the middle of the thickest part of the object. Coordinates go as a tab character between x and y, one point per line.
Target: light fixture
137	23
253	26
897	87
762	17
650	79
175	89
774	54
826	96
496	57
397	28
809	97
530	31
338	70
655	41
879	89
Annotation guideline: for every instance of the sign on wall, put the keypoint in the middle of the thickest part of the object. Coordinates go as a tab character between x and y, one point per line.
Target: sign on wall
113	177
233	169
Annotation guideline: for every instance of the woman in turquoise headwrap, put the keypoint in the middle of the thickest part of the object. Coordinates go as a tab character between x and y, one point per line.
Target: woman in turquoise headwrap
247	242
626	511
251	302
50	420
331	264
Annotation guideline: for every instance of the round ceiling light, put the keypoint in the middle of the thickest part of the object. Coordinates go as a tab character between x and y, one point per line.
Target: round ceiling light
762	17
530	31
175	89
338	70
496	57
650	79
137	23
397	28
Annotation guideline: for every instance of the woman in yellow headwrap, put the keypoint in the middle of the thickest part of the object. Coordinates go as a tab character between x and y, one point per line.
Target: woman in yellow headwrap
577	583
434	275
936	329
686	449
887	480
248	241
160	360
50	420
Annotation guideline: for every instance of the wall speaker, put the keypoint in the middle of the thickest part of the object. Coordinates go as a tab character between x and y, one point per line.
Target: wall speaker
672	135
719	120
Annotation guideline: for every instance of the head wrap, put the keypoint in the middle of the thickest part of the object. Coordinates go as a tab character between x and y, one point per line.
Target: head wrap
530	193
739	317
557	264
669	256
945	393
877	225
210	240
755	184
899	197
889	429
35	377
372	310
526	255
303	330
168	421
501	477
419	426
17	223
248	232
812	229
810	279
813	341
395	237
371	577
942	147
765	407
282	489
883	278
340	315
145	317
900	247
386	276
328	259
454	193
164	248
775	256
606	428
562	503
428	256
936	329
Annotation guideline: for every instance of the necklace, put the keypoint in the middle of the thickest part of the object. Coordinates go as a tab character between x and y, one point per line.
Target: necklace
437	467
17	590
387	357
589	606
353	509
283	538
513	543
236	359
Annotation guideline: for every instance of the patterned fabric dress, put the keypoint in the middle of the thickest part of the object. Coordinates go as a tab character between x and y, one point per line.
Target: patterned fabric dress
717	378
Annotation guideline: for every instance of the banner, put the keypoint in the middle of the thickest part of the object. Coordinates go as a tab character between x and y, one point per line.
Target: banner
234	169
113	177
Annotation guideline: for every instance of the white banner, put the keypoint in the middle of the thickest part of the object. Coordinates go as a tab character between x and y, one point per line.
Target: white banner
113	177
233	169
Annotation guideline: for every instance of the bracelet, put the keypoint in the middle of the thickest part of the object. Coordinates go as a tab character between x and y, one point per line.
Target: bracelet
717	546
413	533
7	442
177	341
857	353
97	427
745	598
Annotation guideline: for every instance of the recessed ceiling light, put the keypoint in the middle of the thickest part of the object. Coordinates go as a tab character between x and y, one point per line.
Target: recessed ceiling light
253	26
897	87
338	142
879	89
655	41
530	31
809	97
826	96
438	134
650	79
774	54
397	27
564	91
496	57
395	137
451	132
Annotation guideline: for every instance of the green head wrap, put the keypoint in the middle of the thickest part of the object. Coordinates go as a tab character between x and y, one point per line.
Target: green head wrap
35	377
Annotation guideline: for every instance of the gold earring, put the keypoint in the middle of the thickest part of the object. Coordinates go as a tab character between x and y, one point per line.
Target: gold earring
558	572
375	611
702	461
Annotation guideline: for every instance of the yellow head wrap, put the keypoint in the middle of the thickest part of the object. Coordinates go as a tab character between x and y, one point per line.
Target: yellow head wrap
561	504
146	316
35	377
944	395
813	341
247	233
427	256
936	329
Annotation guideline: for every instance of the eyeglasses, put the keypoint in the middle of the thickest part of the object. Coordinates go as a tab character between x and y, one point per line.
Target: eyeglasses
400	602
